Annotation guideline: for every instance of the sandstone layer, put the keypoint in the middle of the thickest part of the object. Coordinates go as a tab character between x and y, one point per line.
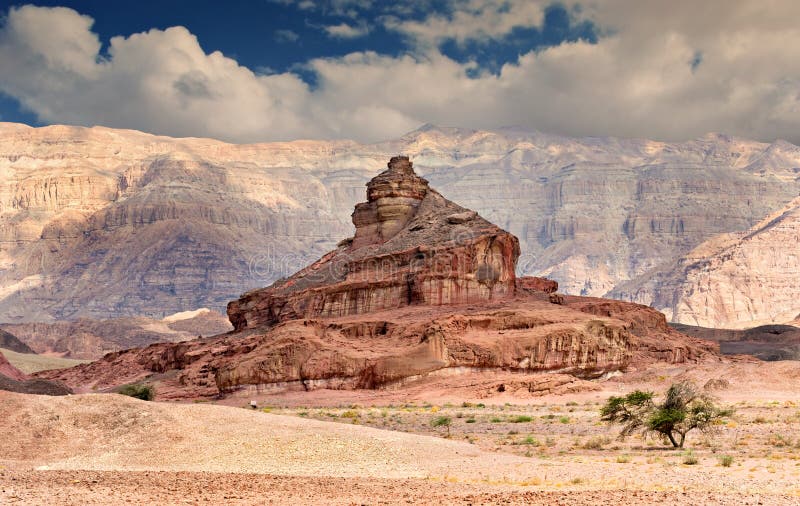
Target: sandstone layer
411	246
104	223
86	338
424	288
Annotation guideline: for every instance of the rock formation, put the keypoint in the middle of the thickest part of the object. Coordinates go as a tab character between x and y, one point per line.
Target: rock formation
425	287
14	380
734	281
11	342
9	371
766	342
103	223
411	246
91	339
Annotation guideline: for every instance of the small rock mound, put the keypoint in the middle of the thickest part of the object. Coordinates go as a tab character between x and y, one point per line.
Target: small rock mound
14	380
11	342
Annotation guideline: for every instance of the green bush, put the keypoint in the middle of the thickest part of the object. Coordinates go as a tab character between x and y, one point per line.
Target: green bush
138	391
442	421
725	460
521	419
689	458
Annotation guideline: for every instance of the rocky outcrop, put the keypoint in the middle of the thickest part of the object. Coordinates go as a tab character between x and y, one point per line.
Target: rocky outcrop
9	371
11	342
411	246
424	288
766	342
732	281
103	223
535	284
91	339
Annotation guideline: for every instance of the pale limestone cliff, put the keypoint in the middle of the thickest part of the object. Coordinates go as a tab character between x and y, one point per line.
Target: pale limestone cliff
734	281
101	223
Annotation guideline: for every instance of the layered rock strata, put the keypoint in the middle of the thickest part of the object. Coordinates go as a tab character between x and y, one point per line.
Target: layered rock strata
425	288
733	281
102	223
411	246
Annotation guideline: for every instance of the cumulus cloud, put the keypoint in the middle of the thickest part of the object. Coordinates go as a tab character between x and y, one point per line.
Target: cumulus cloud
666	71
345	31
286	36
471	19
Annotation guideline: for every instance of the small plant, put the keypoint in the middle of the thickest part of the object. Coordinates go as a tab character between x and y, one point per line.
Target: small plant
496	420
350	413
623	459
564	419
689	458
683	409
725	460
138	391
521	419
442	421
596	443
530	440
469	420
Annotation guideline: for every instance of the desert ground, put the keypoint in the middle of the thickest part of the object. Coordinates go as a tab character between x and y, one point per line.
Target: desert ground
381	447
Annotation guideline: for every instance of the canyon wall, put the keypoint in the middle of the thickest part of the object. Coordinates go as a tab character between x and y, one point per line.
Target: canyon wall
101	223
733	281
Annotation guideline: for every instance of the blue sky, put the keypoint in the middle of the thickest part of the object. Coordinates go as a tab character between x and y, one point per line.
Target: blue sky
253	70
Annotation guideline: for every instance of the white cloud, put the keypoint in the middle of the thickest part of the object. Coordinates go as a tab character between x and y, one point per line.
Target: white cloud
345	31
286	36
636	81
472	19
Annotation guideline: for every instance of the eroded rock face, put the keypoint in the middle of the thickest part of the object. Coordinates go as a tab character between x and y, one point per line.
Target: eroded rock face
407	250
103	223
426	287
584	338
733	281
91	339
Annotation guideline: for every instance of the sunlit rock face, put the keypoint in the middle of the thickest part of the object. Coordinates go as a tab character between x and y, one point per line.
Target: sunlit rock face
104	223
411	246
733	281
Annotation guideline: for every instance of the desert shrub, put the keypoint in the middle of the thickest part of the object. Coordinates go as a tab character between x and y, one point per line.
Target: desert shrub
496	420
469	420
350	413
683	409
530	440
521	419
564	419
725	460
442	421
689	458
139	391
623	459
596	443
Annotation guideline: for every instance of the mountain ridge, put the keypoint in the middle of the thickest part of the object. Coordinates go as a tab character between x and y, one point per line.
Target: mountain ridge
104	223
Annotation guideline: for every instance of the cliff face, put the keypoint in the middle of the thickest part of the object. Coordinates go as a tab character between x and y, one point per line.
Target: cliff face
411	246
425	287
91	339
104	223
734	281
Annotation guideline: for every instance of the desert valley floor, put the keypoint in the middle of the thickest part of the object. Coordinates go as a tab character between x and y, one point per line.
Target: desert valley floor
379	447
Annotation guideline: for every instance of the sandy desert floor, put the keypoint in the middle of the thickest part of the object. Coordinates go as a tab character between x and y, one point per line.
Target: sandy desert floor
381	448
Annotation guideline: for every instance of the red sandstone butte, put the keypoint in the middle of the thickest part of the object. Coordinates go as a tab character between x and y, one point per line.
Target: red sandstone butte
411	246
424	288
